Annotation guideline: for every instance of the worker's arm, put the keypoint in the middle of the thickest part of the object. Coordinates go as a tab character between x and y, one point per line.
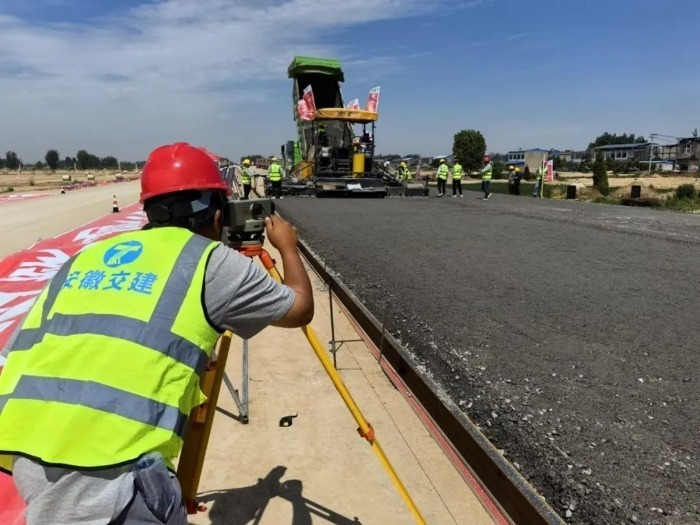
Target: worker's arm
283	236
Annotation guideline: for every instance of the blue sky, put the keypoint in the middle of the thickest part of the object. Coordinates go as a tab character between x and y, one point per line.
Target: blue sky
124	76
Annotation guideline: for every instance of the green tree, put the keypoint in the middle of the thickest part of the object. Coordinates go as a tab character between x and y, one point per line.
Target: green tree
52	159
12	161
469	148
606	139
600	174
87	160
39	165
499	171
109	162
526	174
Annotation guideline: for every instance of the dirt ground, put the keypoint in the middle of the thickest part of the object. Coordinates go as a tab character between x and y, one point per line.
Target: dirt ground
41	180
565	330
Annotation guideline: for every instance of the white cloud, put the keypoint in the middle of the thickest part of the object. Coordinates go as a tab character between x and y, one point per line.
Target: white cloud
167	70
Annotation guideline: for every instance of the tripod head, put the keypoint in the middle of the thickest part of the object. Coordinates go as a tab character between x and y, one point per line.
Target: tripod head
244	223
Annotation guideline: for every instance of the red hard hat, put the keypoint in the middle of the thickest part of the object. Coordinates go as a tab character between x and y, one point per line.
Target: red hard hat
180	167
487	158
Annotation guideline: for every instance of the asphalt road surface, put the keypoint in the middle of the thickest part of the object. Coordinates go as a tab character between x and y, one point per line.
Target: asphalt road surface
24	222
567	331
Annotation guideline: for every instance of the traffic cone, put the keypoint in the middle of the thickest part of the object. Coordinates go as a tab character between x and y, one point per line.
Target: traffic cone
115	206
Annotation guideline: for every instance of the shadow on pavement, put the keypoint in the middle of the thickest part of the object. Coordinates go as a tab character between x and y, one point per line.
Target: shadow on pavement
246	505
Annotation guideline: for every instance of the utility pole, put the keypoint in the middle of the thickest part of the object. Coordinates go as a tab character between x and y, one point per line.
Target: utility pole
651	149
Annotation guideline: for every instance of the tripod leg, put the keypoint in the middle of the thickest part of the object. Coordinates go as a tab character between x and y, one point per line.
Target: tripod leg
196	439
234	394
244	379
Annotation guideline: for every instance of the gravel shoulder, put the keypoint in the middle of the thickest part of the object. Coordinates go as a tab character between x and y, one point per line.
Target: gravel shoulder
565	330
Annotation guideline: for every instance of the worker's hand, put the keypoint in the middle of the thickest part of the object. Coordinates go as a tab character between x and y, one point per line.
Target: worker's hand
281	234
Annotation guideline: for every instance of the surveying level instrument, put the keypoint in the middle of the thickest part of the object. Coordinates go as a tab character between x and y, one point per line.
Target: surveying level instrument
245	225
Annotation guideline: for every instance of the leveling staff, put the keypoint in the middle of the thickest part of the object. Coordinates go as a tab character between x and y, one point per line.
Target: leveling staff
104	370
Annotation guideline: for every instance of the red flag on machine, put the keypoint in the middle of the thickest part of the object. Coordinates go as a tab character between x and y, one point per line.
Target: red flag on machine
308	97
373	100
354	104
304	112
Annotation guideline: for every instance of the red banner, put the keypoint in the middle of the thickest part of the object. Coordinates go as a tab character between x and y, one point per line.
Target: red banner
373	100
308	97
304	112
354	104
22	277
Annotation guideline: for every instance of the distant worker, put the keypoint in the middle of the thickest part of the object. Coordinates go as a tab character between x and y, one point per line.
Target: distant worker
517	177
539	178
442	178
102	374
511	180
486	173
246	178
404	172
274	174
457	173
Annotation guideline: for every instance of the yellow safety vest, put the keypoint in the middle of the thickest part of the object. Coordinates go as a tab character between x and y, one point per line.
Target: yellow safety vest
442	172
457	172
107	363
275	172
487	174
245	176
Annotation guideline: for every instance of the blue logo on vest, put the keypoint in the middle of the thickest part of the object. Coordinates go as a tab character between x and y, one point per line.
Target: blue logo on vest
123	253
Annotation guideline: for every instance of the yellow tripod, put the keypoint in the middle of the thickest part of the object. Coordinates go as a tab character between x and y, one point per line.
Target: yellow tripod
191	462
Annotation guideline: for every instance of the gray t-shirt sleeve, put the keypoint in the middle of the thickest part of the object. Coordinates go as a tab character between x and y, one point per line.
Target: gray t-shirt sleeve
239	295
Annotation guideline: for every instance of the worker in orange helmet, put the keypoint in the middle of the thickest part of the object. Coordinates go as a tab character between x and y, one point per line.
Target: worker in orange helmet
101	376
486	173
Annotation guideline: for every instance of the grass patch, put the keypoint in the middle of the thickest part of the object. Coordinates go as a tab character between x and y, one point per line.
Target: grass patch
685	205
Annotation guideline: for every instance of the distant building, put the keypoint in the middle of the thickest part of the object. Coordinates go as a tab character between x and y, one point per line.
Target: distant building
572	158
624	152
688	154
532	158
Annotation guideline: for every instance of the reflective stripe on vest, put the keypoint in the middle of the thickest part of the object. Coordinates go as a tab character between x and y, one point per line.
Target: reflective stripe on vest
487	174
245	176
275	172
442	171
457	172
111	352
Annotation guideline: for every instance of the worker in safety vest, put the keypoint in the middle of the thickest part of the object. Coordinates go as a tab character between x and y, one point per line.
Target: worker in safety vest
457	173
103	372
539	179
404	172
486	173
274	174
511	180
246	178
442	172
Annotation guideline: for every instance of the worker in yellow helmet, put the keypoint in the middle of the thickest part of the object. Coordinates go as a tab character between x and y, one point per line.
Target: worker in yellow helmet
442	173
404	172
511	180
102	374
457	173
517	177
246	179
274	175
